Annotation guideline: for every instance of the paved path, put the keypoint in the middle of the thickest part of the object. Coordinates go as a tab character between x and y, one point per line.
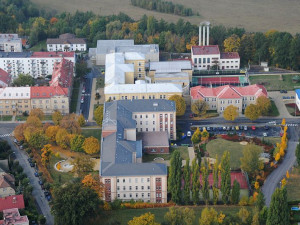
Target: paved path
273	180
280	104
93	94
191	154
37	192
79	98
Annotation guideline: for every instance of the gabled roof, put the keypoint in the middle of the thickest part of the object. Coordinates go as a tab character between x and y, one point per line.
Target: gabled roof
13	201
5	183
48	91
5	78
206	50
62	74
230	55
228	91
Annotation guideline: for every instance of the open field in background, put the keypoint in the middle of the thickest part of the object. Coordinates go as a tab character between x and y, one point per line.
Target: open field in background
219	146
292	186
251	14
272	82
123	216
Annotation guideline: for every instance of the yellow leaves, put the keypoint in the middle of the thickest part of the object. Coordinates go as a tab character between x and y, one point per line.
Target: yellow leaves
91	145
46	153
232	43
51	132
283	122
255	194
107	206
287	174
256	185
283	182
193	42
81	120
58	166
145	219
231	113
94	184
221	218
277	157
281	151
272	164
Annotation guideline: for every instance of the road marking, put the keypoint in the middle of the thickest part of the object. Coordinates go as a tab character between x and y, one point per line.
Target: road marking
5	135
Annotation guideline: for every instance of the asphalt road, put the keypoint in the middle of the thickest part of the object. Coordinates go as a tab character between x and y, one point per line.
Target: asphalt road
21	156
273	180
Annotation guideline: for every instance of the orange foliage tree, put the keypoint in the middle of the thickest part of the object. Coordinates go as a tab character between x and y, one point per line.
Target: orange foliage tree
38	113
91	145
46	153
51	132
94	184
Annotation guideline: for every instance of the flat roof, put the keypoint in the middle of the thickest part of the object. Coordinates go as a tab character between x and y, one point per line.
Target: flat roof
171	66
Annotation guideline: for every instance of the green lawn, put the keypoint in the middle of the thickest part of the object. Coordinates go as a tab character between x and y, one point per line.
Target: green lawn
59	176
219	146
92	132
273	111
292	186
5	118
47	117
100	82
23	118
182	149
273	140
124	215
40	46
74	98
272	82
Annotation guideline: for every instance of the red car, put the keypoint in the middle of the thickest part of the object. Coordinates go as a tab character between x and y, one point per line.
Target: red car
191	115
253	128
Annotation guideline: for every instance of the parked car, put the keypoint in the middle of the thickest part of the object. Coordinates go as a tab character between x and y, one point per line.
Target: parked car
245	128
189	134
224	128
31	164
82	99
237	128
83	90
29	160
36	174
253	128
265	134
232	128
40	182
266	127
191	115
208	128
228	128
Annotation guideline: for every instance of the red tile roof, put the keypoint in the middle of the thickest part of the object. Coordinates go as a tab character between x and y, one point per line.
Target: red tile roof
47	91
230	55
228	91
4	77
206	50
62	74
14	201
52	54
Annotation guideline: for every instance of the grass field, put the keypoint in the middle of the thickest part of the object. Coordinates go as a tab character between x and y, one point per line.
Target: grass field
292	186
182	149
41	46
273	140
123	216
5	118
92	132
276	14
272	82
273	110
219	146
59	176
291	108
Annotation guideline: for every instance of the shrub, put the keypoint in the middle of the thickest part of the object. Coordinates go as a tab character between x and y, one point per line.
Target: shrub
244	201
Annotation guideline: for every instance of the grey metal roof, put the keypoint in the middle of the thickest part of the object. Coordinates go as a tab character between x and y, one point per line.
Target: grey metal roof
154	139
66	41
109	46
171	66
117	154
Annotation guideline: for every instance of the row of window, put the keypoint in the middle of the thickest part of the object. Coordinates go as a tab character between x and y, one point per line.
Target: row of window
229	101
77	45
136	180
130	188
158	195
143	97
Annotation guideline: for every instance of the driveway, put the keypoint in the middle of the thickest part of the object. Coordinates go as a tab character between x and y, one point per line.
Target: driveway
37	192
280	104
273	180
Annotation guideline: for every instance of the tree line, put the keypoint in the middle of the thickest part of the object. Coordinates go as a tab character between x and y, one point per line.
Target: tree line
164	7
280	49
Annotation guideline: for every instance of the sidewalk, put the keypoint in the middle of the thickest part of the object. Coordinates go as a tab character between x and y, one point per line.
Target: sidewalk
78	100
277	98
191	154
92	103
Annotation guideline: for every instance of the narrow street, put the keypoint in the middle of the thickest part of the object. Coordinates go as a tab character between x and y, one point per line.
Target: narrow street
38	194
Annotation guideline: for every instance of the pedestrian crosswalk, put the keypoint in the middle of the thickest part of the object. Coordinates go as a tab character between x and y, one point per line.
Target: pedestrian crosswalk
5	135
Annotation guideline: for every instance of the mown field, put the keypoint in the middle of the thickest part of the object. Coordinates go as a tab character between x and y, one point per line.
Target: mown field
251	14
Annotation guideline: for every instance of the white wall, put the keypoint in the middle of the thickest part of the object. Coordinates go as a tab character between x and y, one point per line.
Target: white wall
66	47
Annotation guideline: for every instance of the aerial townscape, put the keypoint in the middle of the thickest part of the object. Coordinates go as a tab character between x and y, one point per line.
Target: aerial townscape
149	113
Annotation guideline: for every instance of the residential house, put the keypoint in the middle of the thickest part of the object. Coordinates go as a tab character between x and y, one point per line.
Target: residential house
66	43
121	169
10	202
13	217
5	78
10	43
219	98
7	184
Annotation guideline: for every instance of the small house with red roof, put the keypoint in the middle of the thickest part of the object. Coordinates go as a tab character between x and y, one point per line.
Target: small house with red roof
5	78
218	98
209	57
13	217
10	202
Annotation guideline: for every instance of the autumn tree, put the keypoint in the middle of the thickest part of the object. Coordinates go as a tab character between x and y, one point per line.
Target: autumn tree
180	215
180	104
76	143
250	162
264	104
174	180
216	181
196	136
91	145
225	177
46	153
235	192
81	120
209	216
93	183
205	184
34	121
57	117
98	115
61	138
199	107
38	113
195	182
22	80
51	132
187	182
70	123
204	135
82	164
244	216
145	219
260	201
252	112
19	132
232	43
231	113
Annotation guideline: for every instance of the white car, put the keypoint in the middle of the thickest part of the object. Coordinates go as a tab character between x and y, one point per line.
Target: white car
189	133
265	134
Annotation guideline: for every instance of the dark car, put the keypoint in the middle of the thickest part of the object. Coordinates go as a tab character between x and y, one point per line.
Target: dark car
49	198
40	182
36	174
266	127
46	193
29	160
32	164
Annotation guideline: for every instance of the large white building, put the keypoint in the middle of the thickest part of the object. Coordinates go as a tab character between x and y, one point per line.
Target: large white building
104	47
121	169
37	64
10	43
66	43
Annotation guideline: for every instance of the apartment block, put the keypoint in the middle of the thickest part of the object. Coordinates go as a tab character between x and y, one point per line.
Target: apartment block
37	64
122	171
10	43
219	98
66	43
